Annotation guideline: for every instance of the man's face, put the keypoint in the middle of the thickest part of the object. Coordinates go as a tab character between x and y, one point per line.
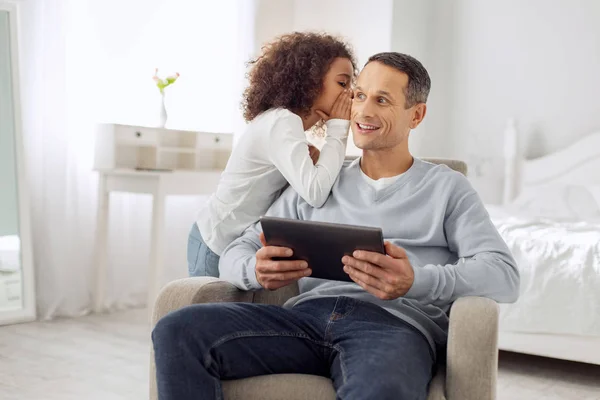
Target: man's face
379	117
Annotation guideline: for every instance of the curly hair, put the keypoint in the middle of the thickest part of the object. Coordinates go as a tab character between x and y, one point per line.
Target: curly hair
289	73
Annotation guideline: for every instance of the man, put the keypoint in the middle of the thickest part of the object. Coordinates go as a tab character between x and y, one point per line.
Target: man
376	338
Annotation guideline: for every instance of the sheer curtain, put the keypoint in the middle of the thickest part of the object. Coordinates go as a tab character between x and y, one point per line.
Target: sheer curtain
89	61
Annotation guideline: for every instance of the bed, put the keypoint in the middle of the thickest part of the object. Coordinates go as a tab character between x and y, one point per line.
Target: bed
550	219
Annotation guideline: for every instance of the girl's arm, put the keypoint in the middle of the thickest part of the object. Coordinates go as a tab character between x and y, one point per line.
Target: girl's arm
288	152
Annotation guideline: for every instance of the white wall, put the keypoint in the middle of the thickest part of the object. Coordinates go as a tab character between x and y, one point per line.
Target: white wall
365	25
8	180
424	29
421	28
536	60
272	18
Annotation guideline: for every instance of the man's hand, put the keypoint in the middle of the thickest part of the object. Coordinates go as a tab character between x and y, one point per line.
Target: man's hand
314	153
275	274
387	277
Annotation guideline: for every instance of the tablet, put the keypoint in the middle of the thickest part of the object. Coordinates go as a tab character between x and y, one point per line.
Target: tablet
322	244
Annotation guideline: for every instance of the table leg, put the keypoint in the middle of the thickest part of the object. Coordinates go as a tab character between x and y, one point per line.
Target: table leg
156	247
101	247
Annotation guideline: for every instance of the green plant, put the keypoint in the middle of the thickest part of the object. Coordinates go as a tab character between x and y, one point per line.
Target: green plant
162	83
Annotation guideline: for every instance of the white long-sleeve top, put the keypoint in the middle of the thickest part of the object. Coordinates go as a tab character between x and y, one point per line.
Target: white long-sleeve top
272	152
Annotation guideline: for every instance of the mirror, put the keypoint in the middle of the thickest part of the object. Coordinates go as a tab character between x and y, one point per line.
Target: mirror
16	271
10	244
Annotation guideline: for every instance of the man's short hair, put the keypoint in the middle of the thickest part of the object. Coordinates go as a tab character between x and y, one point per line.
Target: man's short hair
419	82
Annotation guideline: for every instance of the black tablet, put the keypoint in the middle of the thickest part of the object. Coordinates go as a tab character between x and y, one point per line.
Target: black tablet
322	244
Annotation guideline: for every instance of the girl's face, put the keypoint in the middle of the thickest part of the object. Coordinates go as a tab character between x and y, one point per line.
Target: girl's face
337	78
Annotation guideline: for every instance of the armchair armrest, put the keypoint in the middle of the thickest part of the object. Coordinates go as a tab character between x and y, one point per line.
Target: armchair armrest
184	292
472	358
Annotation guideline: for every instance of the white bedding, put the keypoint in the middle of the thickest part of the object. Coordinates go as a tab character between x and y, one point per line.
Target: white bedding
10	253
559	262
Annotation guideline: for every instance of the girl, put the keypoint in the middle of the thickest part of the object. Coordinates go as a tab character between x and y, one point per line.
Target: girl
298	81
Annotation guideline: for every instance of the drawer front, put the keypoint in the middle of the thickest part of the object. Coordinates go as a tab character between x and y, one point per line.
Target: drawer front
216	141
136	135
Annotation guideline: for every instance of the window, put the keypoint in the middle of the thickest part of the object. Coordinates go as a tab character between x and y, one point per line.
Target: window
202	40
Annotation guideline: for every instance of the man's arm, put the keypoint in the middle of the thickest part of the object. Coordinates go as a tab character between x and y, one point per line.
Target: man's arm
485	267
238	261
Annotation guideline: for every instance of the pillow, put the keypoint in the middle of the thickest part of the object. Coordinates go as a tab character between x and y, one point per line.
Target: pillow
560	202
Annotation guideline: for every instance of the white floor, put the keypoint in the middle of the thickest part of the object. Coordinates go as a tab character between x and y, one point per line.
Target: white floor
105	357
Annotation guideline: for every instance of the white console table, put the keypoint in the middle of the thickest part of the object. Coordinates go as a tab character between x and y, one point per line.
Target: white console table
159	185
156	161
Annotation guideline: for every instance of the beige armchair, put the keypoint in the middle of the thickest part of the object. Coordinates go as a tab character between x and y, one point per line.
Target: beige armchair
468	373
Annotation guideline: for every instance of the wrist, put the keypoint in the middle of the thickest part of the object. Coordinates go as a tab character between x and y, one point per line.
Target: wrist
422	283
339	128
250	275
410	281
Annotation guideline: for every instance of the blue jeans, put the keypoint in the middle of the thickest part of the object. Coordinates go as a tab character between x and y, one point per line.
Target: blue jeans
366	351
201	259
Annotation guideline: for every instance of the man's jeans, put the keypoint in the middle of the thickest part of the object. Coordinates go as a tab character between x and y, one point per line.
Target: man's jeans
366	351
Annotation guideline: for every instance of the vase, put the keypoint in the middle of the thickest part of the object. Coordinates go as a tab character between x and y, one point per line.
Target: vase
163	112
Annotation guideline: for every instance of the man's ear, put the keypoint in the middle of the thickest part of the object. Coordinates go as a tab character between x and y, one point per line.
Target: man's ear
418	114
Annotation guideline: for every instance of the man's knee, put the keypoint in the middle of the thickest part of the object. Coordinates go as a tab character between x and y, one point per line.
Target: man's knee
170	328
198	323
188	323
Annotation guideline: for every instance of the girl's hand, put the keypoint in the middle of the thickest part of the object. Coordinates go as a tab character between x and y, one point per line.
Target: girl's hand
341	107
314	153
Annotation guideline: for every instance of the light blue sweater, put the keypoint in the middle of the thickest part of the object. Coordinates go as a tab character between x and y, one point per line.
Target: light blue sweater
433	213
